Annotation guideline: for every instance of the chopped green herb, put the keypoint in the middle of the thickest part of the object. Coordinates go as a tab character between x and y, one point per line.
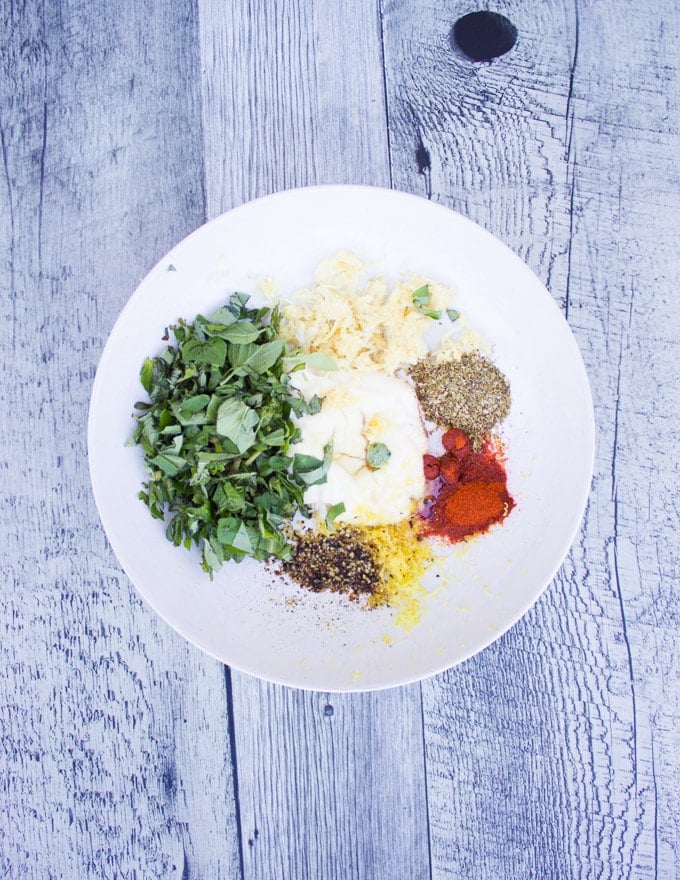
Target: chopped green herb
316	359
146	375
212	352
421	300
453	315
333	513
237	423
217	432
377	455
313	470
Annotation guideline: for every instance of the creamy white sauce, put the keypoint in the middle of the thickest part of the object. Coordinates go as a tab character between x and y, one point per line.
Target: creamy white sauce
359	409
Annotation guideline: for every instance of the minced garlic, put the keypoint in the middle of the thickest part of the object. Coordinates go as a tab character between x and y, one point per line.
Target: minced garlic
361	324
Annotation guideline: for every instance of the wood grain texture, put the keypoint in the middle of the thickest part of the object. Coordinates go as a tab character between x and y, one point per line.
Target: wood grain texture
331	786
566	148
293	95
113	730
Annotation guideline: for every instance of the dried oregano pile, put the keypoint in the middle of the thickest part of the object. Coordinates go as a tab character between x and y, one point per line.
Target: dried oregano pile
471	394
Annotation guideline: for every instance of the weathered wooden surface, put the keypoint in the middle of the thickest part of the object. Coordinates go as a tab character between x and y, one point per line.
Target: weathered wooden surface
127	753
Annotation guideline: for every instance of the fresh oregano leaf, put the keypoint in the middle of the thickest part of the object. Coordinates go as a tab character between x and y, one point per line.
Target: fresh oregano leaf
170	464
421	300
315	359
332	513
146	375
241	332
265	356
237	422
311	470
377	455
212	352
216	434
222	316
239	354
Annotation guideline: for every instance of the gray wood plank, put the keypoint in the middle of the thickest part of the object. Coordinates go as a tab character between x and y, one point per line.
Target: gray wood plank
115	755
544	754
331	785
293	95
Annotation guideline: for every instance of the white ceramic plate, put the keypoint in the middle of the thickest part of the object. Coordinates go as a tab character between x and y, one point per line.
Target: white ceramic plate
247	618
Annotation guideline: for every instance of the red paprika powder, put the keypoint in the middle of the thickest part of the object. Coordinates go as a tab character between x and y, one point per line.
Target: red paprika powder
471	493
450	469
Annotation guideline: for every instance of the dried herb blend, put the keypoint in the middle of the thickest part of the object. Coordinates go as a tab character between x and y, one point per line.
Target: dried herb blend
471	394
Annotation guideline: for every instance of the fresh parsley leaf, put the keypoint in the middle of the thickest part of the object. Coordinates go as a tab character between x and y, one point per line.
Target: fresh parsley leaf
453	315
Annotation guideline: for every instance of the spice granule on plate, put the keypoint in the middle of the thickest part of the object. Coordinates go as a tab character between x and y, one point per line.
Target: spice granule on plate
471	394
471	500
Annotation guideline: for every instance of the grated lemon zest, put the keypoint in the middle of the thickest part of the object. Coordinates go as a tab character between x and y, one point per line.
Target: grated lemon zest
403	559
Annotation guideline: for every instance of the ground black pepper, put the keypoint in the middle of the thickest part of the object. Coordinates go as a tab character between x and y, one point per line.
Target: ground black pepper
471	394
341	562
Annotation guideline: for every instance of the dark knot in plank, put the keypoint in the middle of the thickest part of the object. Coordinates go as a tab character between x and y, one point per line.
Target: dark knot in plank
483	36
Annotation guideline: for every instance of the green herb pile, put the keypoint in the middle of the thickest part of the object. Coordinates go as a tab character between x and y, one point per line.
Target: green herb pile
217	432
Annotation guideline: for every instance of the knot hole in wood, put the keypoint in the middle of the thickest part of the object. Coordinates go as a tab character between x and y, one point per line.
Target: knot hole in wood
483	35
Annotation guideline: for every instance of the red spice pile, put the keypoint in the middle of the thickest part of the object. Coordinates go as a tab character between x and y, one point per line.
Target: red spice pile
470	493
